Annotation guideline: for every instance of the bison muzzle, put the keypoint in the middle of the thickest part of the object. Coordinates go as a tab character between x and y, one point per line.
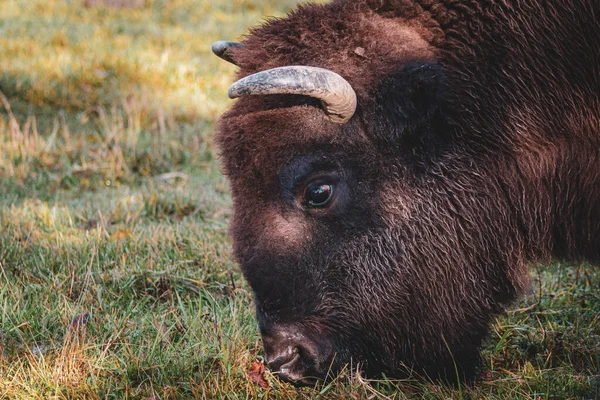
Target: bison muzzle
396	165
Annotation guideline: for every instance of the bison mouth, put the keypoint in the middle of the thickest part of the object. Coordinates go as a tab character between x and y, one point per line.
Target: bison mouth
303	354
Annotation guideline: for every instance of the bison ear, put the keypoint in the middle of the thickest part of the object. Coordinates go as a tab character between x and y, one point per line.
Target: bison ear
409	103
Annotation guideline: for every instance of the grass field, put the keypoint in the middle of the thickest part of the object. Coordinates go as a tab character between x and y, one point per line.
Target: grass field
116	274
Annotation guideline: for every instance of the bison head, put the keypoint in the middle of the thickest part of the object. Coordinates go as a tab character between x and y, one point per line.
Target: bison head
368	235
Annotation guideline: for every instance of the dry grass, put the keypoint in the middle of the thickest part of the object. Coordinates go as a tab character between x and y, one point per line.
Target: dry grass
116	277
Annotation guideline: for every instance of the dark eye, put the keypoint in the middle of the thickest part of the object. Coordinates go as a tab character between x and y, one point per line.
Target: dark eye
318	194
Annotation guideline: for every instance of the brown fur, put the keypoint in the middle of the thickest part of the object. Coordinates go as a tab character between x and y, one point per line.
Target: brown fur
474	150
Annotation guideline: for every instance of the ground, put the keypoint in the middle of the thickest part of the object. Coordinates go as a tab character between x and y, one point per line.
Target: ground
116	274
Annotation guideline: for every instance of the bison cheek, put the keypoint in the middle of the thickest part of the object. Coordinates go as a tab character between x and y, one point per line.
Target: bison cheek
285	233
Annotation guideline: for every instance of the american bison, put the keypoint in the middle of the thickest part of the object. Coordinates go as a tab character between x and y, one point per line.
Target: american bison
395	165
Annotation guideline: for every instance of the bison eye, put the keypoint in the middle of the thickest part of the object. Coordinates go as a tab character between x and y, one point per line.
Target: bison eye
318	195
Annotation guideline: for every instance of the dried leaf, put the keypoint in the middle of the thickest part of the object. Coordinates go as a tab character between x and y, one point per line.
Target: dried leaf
256	374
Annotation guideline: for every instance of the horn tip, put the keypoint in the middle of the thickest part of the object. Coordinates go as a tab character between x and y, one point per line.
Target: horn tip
218	48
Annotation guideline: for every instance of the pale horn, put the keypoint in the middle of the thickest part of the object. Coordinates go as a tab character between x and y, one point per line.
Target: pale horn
220	49
336	94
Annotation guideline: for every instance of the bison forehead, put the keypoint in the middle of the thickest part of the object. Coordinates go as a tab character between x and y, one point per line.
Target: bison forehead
363	47
261	133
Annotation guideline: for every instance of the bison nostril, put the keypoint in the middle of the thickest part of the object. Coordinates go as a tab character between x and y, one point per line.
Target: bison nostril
283	358
294	368
294	365
295	357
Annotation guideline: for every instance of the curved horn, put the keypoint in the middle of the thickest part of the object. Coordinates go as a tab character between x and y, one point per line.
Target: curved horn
220	49
334	91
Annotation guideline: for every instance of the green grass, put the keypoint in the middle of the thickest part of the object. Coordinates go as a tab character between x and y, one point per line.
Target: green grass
116	274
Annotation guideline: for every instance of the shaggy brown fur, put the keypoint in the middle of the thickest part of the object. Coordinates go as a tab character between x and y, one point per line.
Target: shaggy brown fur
474	150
